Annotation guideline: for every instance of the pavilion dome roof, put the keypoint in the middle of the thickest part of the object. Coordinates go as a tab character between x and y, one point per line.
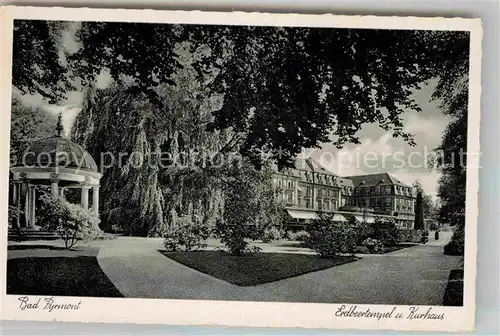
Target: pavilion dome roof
57	151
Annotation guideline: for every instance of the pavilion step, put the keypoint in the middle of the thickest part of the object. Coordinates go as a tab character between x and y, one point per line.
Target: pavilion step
30	234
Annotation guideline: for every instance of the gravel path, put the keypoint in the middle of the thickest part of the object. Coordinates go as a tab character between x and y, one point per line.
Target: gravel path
412	276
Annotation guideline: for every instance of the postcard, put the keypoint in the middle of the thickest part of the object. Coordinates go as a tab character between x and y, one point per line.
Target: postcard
239	169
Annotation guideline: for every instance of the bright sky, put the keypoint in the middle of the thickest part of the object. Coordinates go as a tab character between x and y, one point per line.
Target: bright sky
378	151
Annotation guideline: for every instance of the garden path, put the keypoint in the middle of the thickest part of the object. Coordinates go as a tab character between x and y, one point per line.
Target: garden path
412	276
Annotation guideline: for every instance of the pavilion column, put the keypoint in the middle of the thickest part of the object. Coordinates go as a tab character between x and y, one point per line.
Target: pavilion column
32	192
27	206
61	193
84	198
17	188
55	188
95	199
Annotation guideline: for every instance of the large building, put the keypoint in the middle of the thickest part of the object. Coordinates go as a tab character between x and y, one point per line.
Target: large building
308	188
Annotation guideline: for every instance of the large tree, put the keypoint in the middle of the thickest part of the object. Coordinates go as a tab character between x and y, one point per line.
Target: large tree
280	89
284	88
452	92
38	63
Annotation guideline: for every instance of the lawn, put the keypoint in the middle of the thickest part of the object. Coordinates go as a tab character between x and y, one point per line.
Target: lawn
254	269
385	249
58	272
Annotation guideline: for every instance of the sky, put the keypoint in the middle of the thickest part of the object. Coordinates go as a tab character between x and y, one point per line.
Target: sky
378	151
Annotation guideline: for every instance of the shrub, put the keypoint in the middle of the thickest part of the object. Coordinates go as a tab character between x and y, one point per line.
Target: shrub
374	246
13	214
410	235
234	236
436	235
189	235
456	245
425	237
433	227
301	236
329	238
271	234
71	221
385	231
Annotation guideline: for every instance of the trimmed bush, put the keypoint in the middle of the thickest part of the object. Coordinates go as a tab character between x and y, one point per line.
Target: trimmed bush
386	232
329	238
374	246
189	235
301	236
410	236
456	245
425	237
271	234
436	235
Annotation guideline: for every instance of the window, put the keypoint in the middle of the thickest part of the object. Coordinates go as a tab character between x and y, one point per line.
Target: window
320	204
289	198
309	191
320	193
327	205
388	190
335	205
308	203
279	183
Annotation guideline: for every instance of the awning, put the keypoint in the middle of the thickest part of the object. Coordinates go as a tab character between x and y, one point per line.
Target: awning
339	218
367	219
358	218
300	214
370	219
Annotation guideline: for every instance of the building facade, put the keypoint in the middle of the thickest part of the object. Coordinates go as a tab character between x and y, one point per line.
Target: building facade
308	188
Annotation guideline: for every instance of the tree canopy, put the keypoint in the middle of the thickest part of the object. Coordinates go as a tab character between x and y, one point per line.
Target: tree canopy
283	88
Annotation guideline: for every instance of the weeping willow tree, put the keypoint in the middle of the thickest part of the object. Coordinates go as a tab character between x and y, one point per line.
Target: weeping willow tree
156	159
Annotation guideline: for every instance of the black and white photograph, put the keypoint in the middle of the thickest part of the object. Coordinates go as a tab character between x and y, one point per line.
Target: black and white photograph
237	162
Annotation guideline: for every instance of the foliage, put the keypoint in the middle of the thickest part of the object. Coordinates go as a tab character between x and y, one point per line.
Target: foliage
410	235
36	64
13	215
453	94
456	245
71	221
385	231
271	234
374	246
301	236
427	205
246	193
433	226
329	237
419	211
189	235
425	237
277	82
27	125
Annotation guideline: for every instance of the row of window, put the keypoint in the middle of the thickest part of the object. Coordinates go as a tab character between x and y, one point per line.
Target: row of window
321	204
385	203
322	192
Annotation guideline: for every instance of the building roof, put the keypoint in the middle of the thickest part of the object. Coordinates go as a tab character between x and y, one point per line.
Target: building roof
319	168
371	180
56	151
345	182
